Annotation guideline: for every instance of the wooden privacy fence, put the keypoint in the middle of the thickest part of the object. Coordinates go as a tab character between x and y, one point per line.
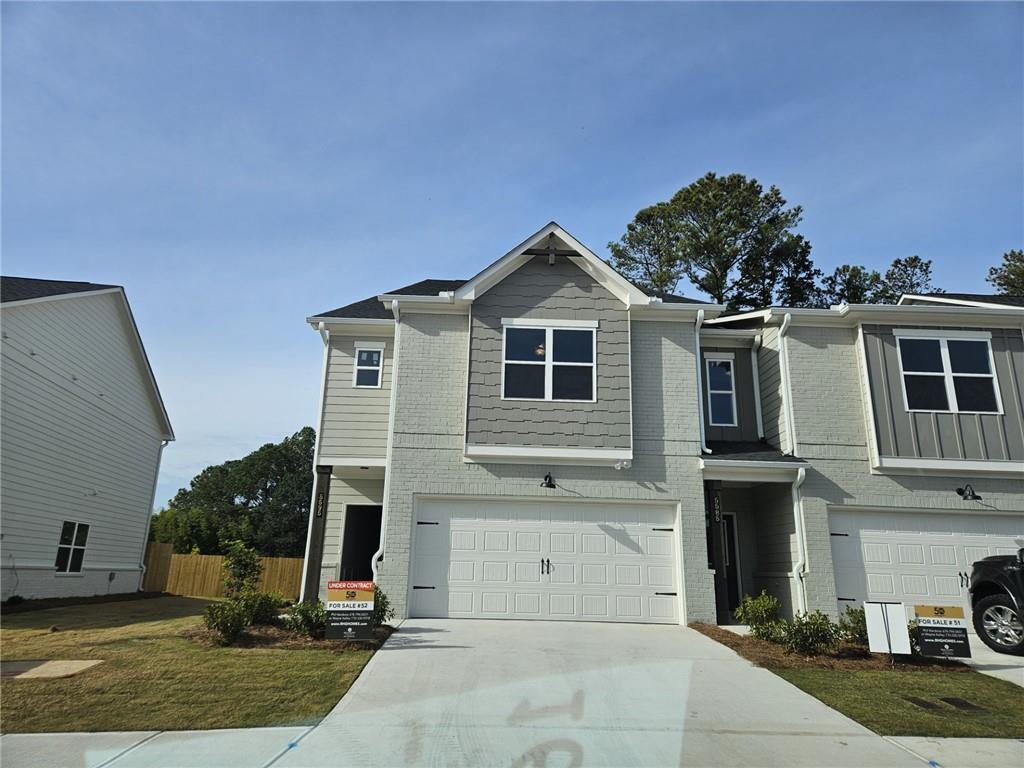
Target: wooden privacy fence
203	575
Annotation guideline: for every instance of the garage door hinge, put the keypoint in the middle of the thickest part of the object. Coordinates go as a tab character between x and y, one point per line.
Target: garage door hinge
838	534
425	522
661	529
424	587
847	599
670	594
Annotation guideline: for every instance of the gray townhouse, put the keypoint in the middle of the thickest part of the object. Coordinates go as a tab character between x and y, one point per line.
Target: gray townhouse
545	440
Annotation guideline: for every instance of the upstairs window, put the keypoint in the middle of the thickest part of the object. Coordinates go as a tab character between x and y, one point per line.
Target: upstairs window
721	389
71	548
948	373
367	372
549	362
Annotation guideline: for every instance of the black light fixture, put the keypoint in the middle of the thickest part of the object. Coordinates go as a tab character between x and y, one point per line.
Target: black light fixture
548	481
967	493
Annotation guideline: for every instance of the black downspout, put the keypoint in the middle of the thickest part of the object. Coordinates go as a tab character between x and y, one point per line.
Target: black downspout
318	523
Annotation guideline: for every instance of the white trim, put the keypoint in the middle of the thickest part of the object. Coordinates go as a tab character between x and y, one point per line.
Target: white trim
939	333
947	373
755	371
946	466
528	322
376	344
730	356
515	454
72	547
951	301
700	381
366	321
352	461
749	471
60	296
549	363
870	424
720	358
847	315
379	368
385	502
149	518
801	567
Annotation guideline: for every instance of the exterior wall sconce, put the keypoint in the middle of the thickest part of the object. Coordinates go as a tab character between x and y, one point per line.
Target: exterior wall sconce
548	481
967	493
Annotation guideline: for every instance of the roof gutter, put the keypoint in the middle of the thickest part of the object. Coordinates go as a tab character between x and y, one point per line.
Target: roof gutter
700	385
325	334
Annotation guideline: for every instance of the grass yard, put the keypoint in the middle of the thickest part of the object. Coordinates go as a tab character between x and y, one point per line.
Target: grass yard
153	678
865	688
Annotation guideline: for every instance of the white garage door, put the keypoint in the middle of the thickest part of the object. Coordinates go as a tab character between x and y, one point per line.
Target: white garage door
912	557
544	560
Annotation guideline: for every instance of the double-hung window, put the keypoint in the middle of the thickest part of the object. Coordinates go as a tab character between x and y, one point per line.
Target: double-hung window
721	389
948	371
369	363
71	549
549	362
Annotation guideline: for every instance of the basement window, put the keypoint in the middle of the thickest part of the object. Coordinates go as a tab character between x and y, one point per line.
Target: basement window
951	373
71	548
550	362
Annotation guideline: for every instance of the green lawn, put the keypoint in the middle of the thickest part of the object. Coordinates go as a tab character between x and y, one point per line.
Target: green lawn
876	699
154	679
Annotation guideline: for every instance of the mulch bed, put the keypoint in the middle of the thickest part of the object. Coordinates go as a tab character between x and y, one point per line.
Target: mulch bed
845	657
41	604
286	640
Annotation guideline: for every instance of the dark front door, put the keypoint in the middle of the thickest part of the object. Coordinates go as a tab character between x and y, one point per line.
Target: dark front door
732	568
360	540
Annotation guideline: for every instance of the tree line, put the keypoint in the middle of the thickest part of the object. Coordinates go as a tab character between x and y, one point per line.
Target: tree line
737	243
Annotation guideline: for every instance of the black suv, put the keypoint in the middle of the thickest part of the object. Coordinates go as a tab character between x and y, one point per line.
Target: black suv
997	599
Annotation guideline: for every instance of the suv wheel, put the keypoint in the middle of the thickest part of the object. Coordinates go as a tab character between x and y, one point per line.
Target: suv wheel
998	623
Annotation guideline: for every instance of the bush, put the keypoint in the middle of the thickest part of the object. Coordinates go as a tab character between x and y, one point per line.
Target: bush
242	569
259	607
227	619
307	618
761	614
853	626
382	610
15	600
810	634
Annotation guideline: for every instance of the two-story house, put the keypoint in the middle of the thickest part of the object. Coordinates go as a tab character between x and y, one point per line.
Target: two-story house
547	440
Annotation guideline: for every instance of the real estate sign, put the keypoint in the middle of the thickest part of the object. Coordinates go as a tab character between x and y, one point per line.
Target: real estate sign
942	631
349	610
887	627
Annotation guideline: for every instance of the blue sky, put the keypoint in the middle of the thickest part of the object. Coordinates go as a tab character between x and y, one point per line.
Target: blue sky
238	167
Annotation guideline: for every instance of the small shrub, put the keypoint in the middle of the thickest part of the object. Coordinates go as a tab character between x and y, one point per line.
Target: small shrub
227	619
260	607
853	626
382	610
773	631
242	569
761	614
307	619
15	600
810	634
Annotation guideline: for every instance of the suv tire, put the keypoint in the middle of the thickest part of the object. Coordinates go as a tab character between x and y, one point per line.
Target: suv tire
998	623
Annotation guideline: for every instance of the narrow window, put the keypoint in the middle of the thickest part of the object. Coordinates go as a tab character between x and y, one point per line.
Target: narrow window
721	392
948	375
368	368
541	363
71	548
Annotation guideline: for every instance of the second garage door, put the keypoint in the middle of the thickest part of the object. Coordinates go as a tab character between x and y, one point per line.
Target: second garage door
544	560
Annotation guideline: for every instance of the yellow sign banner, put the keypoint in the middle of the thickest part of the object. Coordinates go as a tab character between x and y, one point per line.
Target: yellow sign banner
938	612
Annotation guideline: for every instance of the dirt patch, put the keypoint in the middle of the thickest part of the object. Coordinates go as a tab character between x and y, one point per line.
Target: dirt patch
845	657
284	639
42	604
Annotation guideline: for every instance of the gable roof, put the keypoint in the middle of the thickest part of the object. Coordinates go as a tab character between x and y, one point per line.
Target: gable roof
373	308
963	299
17	290
26	288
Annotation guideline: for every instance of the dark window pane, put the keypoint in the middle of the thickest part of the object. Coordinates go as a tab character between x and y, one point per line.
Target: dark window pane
524	381
524	344
369	357
720	375
572	382
81	535
63	555
76	560
573	346
67	533
926	393
968	356
975	393
721	409
367	377
921	355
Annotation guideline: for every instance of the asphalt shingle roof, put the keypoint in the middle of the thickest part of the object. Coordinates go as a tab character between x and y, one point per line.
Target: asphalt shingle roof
22	288
746	451
991	298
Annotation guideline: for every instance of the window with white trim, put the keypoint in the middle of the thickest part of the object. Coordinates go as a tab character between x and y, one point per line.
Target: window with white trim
368	366
549	363
71	548
948	374
721	389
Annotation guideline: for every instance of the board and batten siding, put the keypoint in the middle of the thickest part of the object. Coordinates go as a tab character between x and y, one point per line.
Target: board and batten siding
995	437
80	442
541	291
743	384
355	419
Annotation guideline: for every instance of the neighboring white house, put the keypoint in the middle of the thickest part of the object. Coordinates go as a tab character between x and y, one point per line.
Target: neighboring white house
82	429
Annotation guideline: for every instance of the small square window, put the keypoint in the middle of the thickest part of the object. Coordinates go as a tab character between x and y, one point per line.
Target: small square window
368	368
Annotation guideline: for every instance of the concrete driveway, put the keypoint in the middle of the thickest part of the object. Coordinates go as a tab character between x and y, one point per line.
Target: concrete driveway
472	693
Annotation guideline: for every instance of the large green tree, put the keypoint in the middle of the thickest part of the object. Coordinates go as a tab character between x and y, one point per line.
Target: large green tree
910	275
726	234
261	500
1008	277
851	284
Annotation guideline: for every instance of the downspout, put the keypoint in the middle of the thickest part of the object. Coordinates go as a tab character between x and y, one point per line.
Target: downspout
787	393
800	568
700	383
149	518
757	386
326	336
379	554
